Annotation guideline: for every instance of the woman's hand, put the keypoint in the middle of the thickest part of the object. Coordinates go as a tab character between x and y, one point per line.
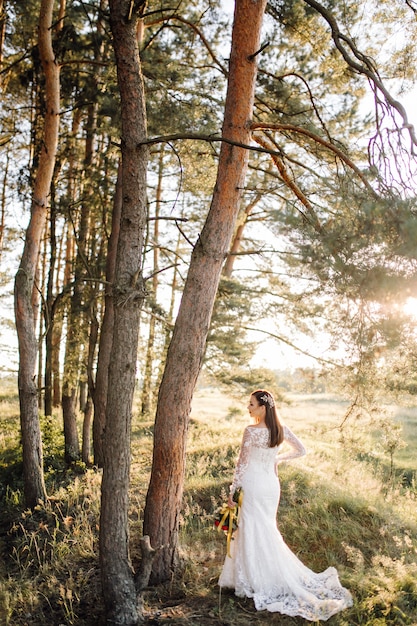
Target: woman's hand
231	503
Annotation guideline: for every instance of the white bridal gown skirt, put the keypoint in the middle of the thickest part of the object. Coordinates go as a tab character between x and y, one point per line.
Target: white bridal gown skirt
264	568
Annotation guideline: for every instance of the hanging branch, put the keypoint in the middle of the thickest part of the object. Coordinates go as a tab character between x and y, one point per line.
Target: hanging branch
362	64
316	138
412	5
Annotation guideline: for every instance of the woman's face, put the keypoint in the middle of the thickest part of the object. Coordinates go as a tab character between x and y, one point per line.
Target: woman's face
256	410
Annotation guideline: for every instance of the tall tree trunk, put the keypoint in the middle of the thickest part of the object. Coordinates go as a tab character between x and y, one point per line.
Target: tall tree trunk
147	388
53	309
186	350
3	200
73	348
2	30
42	325
106	336
95	254
49	308
34	486
77	319
67	245
128	292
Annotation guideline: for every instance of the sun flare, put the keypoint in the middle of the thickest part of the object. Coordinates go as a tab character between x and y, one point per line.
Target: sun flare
410	307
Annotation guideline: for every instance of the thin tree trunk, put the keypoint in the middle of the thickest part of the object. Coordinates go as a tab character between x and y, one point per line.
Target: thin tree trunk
120	596
170	317
54	310
73	349
86	438
88	409
75	331
57	312
95	256
56	376
77	321
42	272
186	350
34	486
2	30
106	336
147	388
49	320
3	201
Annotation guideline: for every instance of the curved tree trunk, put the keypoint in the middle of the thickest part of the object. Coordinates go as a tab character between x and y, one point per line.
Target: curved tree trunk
186	350
118	583
34	486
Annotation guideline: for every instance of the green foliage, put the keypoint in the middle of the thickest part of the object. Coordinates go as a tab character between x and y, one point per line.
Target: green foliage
53	442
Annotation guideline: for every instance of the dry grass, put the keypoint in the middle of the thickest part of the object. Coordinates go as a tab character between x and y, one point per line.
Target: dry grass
336	509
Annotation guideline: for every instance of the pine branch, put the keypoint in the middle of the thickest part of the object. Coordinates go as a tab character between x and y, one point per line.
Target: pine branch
256	126
316	138
362	64
310	94
195	28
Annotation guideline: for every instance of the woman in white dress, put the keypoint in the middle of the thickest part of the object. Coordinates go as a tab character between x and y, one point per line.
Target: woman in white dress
261	565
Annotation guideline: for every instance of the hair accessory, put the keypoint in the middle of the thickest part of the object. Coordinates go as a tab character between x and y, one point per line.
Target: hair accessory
268	400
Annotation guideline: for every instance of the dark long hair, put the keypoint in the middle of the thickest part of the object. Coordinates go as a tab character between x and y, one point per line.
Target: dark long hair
272	421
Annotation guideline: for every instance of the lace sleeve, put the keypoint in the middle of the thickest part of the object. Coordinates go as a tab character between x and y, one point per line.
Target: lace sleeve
297	448
242	462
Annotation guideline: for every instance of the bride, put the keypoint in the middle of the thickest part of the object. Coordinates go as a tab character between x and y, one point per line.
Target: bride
261	565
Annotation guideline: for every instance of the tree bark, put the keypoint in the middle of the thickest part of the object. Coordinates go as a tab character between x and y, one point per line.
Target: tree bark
34	486
120	598
186	351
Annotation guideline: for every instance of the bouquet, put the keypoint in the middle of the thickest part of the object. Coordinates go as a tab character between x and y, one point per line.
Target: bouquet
226	519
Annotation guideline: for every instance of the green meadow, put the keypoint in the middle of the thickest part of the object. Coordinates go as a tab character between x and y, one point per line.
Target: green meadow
350	503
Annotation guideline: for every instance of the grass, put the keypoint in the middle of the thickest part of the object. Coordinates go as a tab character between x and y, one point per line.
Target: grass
337	508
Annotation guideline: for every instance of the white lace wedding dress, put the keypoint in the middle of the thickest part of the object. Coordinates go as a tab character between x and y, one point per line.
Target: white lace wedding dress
261	565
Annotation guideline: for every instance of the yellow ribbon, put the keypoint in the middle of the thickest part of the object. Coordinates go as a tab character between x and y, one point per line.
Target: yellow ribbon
232	513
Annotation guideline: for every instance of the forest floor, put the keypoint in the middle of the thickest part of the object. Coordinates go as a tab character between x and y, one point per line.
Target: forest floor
351	503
